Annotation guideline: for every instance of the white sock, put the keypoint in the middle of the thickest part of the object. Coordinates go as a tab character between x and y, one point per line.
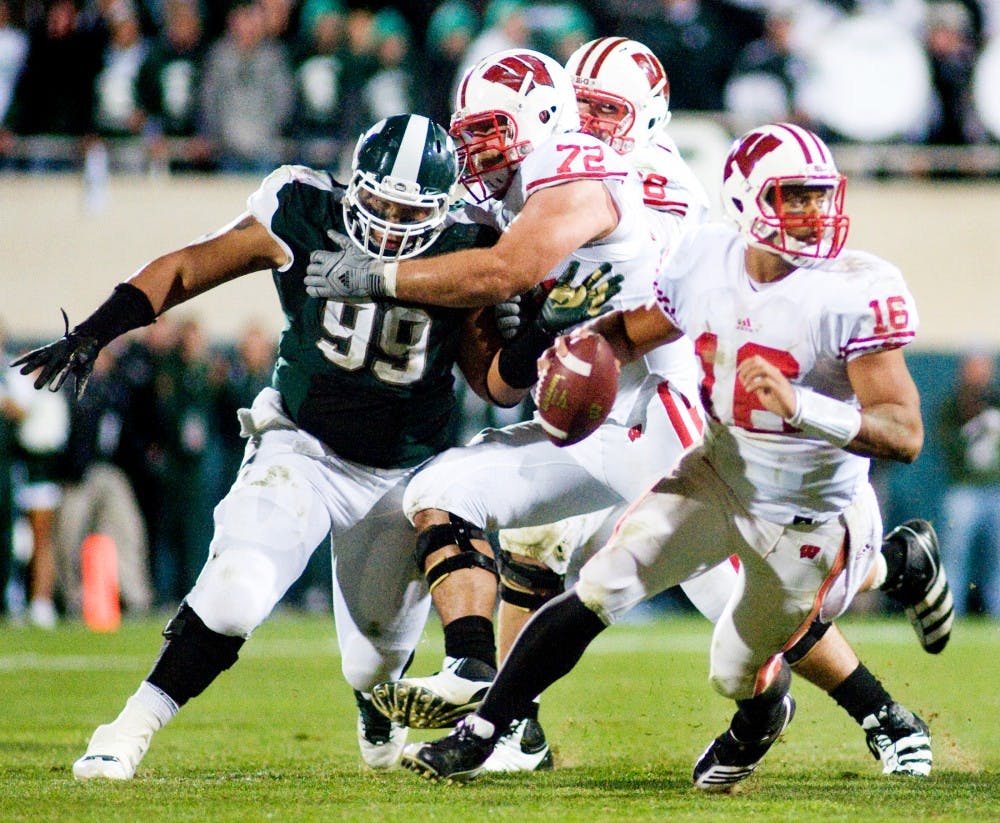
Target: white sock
479	726
881	570
158	702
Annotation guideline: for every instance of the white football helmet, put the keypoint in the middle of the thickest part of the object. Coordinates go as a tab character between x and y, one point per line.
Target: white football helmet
761	165
622	89
506	106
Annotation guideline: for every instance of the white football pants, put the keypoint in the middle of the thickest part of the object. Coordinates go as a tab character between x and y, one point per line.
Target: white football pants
290	493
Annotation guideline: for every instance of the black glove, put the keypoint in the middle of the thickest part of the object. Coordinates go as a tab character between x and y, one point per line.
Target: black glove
73	353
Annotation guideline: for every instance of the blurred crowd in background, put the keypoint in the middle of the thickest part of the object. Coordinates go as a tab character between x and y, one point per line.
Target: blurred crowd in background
247	84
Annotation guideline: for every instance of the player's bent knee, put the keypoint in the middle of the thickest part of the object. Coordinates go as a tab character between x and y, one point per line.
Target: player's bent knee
235	593
457	532
363	665
526	585
733	685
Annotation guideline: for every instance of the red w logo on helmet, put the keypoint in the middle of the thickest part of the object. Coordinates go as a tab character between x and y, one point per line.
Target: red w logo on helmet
749	151
514	70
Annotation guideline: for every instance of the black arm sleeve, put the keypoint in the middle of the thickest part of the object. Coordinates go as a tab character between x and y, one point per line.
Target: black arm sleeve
127	308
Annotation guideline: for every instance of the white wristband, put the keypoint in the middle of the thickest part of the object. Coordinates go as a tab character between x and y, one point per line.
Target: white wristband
832	420
389	278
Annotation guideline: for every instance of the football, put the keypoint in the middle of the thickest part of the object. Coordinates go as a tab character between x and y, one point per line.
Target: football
577	384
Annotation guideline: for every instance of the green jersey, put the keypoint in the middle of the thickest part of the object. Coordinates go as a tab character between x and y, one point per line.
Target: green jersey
373	381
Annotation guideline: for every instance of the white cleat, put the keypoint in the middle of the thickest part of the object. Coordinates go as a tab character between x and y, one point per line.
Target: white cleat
380	740
900	739
116	748
522	749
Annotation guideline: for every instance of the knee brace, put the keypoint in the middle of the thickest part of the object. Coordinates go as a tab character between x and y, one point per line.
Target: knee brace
191	657
535	585
457	532
805	643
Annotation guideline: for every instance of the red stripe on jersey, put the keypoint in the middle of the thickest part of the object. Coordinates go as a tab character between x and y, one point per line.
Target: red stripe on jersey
884	341
734	561
699	424
597	175
667	205
674	413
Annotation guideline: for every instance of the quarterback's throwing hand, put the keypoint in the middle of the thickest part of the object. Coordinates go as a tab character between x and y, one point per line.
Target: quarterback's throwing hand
71	354
567	305
347	273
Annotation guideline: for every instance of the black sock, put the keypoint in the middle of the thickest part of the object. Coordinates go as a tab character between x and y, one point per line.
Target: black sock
548	647
861	694
762	715
471	637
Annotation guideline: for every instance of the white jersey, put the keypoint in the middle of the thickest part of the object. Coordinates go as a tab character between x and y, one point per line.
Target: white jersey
809	324
670	190
635	247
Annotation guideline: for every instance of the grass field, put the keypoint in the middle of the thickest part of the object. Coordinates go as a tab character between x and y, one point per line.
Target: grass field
274	738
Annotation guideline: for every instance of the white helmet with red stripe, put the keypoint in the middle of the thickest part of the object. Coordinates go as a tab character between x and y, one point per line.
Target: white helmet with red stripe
758	172
506	106
622	91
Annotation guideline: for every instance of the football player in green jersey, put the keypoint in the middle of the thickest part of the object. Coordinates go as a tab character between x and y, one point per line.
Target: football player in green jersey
361	394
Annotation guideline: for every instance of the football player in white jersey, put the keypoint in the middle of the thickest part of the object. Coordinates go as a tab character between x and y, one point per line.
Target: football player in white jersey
557	195
623	93
803	380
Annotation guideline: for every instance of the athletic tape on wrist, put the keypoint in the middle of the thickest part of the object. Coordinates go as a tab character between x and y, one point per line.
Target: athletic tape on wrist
389	279
832	420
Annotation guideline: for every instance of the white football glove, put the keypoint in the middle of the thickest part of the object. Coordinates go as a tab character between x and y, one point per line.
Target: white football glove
348	273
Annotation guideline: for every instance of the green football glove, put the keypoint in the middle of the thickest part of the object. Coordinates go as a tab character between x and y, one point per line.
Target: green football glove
568	305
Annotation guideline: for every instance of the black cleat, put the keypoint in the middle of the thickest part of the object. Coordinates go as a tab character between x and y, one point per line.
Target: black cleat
457	758
727	760
921	586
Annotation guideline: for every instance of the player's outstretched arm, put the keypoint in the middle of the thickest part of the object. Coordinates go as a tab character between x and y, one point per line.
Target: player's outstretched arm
552	225
240	248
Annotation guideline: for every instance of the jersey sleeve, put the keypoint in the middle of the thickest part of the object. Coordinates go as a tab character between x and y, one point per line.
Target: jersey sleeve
287	196
572	156
874	310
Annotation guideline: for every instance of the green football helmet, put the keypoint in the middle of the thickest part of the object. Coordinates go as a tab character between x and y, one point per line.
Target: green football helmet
403	171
